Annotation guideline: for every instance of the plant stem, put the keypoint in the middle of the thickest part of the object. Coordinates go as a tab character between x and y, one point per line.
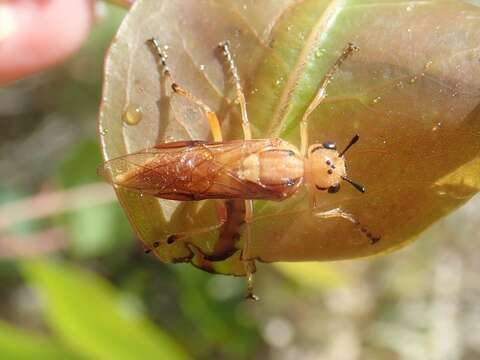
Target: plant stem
52	203
32	245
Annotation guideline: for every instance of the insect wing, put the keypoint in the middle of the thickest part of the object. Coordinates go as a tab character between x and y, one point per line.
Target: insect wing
137	171
185	167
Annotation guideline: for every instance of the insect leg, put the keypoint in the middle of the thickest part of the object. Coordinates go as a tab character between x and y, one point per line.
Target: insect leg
215	128
337	212
186	235
249	264
247	134
240	99
321	94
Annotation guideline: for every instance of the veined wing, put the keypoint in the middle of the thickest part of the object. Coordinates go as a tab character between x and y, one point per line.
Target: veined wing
149	170
188	170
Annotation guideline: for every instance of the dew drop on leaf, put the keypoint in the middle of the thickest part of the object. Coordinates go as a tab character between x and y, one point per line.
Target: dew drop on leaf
437	126
132	114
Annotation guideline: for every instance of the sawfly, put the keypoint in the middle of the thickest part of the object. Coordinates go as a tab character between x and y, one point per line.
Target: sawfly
236	172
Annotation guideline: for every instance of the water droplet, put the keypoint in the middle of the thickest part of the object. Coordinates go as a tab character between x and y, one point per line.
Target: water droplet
289	28
132	114
399	85
103	132
377	99
409	8
413	80
202	67
437	126
254	91
279	81
165	47
428	64
409	30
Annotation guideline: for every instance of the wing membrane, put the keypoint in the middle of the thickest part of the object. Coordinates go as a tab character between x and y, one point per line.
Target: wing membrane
187	170
138	169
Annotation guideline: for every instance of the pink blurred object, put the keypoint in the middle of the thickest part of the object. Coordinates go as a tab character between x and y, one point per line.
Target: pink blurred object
37	34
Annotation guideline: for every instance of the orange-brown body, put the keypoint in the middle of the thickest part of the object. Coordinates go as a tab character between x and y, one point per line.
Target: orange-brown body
234	172
268	169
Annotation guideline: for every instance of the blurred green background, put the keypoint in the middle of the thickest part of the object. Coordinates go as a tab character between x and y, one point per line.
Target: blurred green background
76	284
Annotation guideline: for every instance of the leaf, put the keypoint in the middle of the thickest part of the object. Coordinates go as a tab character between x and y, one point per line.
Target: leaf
22	345
91	317
212	304
94	230
409	93
75	168
97	230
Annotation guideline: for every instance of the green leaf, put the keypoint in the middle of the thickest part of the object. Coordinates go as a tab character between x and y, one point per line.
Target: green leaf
23	345
93	319
409	93
222	320
95	230
98	230
78	167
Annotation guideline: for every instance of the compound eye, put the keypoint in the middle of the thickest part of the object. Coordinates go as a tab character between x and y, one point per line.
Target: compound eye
330	145
333	189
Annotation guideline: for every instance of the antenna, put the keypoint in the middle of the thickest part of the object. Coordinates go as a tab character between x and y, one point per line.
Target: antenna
354	184
352	142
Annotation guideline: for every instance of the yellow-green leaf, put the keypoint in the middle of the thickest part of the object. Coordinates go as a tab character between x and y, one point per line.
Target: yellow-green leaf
410	93
92	318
